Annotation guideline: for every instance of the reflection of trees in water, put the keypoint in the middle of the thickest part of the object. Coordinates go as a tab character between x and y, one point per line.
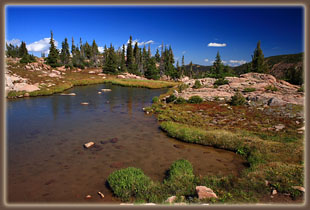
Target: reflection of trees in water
55	106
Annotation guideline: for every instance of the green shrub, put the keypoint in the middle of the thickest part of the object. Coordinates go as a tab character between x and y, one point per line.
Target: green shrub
69	66
155	99
247	90
182	87
171	98
237	99
180	100
129	182
197	84
271	88
220	81
195	100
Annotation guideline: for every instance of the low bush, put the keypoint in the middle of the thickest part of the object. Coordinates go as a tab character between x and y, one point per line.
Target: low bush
237	99
171	98
195	100
155	99
220	81
197	84
129	182
301	89
182	87
180	100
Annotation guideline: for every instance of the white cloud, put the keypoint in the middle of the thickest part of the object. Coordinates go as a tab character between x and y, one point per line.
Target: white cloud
101	49
140	43
183	52
41	45
206	60
15	42
224	62
213	44
237	62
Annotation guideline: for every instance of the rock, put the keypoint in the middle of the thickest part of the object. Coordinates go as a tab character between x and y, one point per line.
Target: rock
121	76
99	92
68	94
126	204
204	192
91	72
302	189
88	197
171	199
101	74
274	192
279	127
266	183
25	87
275	102
149	204
301	129
113	140
84	103
106	90
26	95
61	68
89	144
101	195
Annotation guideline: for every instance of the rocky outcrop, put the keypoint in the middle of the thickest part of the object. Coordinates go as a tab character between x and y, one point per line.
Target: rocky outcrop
16	83
129	76
203	192
283	93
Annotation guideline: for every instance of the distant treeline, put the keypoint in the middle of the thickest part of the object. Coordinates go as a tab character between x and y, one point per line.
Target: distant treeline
139	61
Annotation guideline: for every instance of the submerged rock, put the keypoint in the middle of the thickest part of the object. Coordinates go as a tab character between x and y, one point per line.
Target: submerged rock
89	144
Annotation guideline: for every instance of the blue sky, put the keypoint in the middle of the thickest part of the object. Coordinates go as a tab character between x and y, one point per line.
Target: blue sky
195	32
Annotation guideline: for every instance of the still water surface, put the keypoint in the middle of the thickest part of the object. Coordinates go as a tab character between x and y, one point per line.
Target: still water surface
45	136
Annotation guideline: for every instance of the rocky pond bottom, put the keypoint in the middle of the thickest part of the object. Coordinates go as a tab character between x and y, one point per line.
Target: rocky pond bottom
47	162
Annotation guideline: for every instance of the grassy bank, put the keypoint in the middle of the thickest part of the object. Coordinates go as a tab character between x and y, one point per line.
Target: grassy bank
275	157
70	78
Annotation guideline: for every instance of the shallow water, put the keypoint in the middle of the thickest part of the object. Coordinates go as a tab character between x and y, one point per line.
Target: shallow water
45	136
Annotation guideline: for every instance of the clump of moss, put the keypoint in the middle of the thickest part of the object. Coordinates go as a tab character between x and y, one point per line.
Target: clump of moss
247	90
155	99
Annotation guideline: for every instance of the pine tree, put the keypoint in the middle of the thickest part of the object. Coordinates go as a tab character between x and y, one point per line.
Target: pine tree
12	51
258	62
190	72
151	71
157	56
218	66
72	47
162	63
81	49
129	54
65	53
53	56
183	67
22	50
136	53
149	54
123	61
94	52
111	64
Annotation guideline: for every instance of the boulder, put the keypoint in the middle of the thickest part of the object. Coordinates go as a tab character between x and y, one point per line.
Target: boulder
171	199
121	77
275	102
279	127
106	90
204	192
302	189
89	144
68	94
84	103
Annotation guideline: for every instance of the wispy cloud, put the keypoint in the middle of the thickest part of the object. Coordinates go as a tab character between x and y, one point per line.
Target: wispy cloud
15	42
206	60
41	45
237	62
213	44
141	43
183	52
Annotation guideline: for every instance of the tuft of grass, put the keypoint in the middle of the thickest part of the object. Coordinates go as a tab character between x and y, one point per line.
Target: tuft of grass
248	90
171	98
271	88
180	100
155	99
152	84
220	81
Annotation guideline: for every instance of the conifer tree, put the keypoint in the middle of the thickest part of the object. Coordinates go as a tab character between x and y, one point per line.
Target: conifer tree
111	64
157	56
72	47
129	54
123	61
218	66
183	67
94	52
149	54
190	72
65	53
151	71
53	56
22	50
258	62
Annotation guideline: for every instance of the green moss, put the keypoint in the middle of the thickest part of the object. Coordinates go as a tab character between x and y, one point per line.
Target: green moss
237	99
248	90
271	88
